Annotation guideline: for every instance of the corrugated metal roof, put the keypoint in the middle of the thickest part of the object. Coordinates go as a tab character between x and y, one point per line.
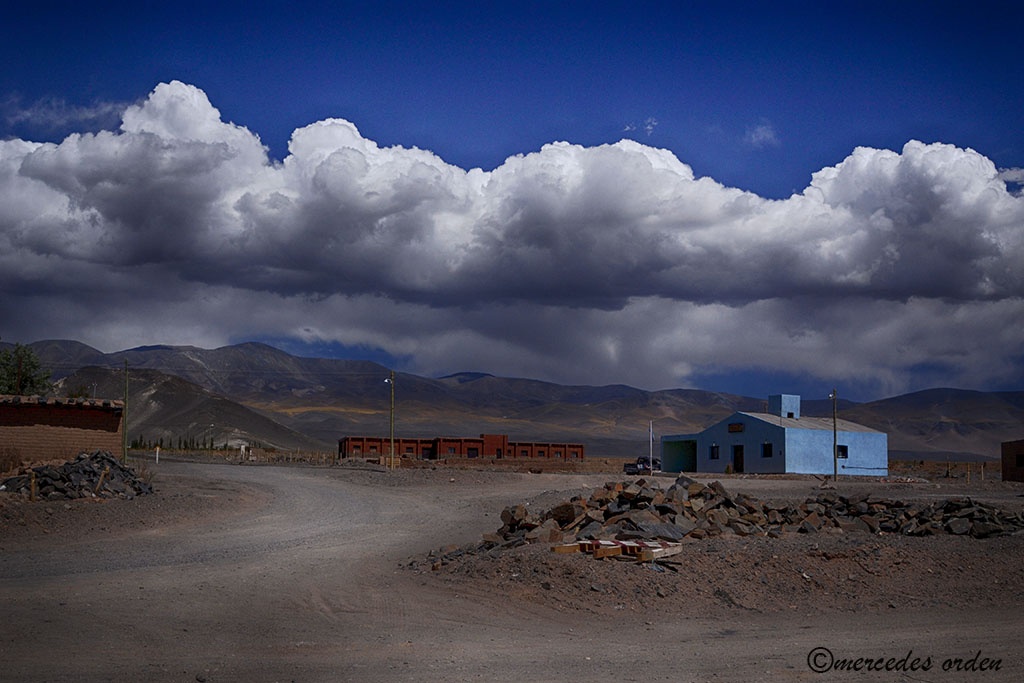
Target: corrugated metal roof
817	423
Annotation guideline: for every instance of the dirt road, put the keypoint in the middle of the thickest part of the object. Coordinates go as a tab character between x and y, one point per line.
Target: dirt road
234	573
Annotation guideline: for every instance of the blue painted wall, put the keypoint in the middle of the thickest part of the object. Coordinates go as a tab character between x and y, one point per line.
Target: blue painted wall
755	434
793	449
810	452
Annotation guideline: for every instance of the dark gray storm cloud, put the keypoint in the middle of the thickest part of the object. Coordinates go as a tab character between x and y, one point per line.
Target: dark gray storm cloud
546	266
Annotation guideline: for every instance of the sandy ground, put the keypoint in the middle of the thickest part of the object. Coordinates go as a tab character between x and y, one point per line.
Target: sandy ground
240	573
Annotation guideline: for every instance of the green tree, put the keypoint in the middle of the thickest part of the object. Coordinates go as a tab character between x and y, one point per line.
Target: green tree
21	373
79	391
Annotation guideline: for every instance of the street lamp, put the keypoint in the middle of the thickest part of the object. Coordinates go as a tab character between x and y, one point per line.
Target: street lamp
391	456
650	458
835	441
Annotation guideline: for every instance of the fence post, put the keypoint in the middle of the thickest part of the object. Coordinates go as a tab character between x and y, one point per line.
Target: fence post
103	475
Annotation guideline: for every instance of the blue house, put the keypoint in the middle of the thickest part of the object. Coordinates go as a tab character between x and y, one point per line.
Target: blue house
779	441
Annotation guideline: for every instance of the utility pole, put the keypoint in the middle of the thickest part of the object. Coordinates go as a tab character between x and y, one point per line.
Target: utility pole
124	417
391	456
835	440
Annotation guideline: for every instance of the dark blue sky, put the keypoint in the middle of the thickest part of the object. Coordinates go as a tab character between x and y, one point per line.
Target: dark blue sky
756	95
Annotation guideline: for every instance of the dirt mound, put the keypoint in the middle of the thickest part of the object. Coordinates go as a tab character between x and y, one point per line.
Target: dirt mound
796	573
736	552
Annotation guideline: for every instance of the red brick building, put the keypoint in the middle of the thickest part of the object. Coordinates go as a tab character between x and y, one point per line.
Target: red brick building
1013	460
484	446
34	428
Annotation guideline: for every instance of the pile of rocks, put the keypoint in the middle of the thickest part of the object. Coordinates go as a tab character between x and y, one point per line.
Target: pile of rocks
90	475
641	510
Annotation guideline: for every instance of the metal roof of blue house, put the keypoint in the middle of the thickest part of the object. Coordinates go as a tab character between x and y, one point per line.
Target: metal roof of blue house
822	423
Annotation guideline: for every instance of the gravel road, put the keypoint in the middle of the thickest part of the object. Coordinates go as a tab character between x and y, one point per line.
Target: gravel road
236	573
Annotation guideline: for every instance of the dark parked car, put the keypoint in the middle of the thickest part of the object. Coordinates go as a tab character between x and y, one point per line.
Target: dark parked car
641	466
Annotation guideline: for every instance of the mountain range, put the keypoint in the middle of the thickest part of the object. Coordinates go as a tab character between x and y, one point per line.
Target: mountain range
256	394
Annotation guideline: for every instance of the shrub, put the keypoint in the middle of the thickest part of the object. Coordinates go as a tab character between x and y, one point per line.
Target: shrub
10	459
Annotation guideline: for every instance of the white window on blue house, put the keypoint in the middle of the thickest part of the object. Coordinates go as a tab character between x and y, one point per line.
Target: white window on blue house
842	451
766	450
713	452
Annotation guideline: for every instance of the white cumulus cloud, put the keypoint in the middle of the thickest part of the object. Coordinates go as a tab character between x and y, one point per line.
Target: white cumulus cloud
579	264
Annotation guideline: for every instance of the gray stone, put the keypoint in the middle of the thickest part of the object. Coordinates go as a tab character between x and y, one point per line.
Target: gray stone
807	528
871	521
958	526
662	530
743	528
718	516
566	513
984	529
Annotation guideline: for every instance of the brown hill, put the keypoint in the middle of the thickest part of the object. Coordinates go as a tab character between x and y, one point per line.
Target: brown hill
255	393
169	410
940	423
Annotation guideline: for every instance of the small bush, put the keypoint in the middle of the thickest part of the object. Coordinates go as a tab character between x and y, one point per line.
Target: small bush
10	459
142	470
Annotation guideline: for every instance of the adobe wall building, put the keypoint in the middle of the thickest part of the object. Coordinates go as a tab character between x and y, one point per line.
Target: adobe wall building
33	428
484	446
1013	460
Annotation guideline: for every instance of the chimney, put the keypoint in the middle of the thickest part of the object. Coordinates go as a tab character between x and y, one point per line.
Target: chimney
784	405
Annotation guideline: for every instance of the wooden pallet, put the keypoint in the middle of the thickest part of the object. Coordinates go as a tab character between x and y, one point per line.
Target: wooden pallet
641	551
